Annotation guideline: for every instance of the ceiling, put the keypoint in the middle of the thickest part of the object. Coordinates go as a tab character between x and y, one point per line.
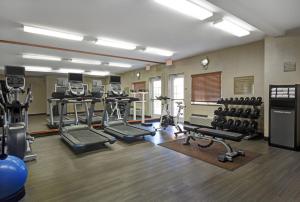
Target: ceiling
143	22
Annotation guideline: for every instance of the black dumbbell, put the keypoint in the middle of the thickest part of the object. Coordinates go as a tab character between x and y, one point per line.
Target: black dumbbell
241	101
220	101
255	114
221	123
252	100
239	112
246	101
231	112
258	101
246	113
235	125
243	128
226	101
252	127
231	100
236	101
228	124
218	111
214	122
225	111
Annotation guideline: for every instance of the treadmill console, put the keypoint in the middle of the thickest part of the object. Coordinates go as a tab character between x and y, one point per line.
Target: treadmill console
76	86
115	90
97	89
14	77
77	89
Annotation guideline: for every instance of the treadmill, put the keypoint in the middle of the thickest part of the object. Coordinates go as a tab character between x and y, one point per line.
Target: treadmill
121	128
61	88
97	91
82	138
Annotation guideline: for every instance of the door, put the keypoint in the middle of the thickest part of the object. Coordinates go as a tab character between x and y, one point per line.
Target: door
155	91
176	93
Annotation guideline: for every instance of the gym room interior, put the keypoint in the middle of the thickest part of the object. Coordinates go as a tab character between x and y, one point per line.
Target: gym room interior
149	100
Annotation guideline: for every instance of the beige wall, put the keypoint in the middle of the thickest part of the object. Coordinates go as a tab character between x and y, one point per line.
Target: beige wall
38	86
277	51
242	60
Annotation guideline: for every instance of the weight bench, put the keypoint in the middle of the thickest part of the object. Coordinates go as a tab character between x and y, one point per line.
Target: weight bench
212	136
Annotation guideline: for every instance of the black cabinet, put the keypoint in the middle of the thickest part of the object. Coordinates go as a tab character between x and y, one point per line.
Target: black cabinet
284	116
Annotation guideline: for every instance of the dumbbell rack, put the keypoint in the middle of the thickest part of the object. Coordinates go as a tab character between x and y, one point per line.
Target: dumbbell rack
251	131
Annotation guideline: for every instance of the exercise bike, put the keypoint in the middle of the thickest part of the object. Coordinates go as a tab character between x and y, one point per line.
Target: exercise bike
180	108
18	141
166	119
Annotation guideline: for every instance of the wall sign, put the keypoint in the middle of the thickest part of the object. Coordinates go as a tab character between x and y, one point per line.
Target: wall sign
289	66
244	85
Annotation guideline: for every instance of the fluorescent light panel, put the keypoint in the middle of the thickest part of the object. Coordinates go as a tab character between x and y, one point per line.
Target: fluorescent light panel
115	43
158	51
40	57
38	69
117	64
66	70
98	73
52	33
231	28
85	61
187	8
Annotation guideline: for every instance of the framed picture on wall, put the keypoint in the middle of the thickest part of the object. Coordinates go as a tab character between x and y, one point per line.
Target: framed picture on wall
244	85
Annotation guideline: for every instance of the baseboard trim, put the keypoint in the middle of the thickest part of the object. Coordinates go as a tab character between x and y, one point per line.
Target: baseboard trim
37	114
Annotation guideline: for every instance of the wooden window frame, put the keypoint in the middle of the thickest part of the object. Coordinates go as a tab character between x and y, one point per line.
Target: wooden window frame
138	82
206	101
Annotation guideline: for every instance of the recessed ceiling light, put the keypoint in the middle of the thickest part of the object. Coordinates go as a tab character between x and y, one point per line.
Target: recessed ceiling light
98	73
52	33
40	57
38	69
115	43
158	51
231	28
66	70
85	61
187	8
117	64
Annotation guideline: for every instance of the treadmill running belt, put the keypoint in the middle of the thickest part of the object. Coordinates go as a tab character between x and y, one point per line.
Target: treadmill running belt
127	130
87	137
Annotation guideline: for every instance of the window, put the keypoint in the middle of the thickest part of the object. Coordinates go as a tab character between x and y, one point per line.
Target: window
176	92
206	87
139	85
155	86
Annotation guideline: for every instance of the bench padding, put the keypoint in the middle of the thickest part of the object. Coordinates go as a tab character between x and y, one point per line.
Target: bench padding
190	128
221	134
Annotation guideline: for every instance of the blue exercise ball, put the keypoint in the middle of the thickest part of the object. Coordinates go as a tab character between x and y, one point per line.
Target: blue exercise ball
13	175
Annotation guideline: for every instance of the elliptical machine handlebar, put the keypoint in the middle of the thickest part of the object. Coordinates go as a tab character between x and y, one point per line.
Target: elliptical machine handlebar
28	98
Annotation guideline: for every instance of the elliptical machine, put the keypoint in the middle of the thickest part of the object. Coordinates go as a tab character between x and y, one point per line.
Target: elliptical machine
13	171
18	141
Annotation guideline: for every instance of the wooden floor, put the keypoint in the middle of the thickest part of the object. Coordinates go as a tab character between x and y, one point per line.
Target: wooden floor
144	171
